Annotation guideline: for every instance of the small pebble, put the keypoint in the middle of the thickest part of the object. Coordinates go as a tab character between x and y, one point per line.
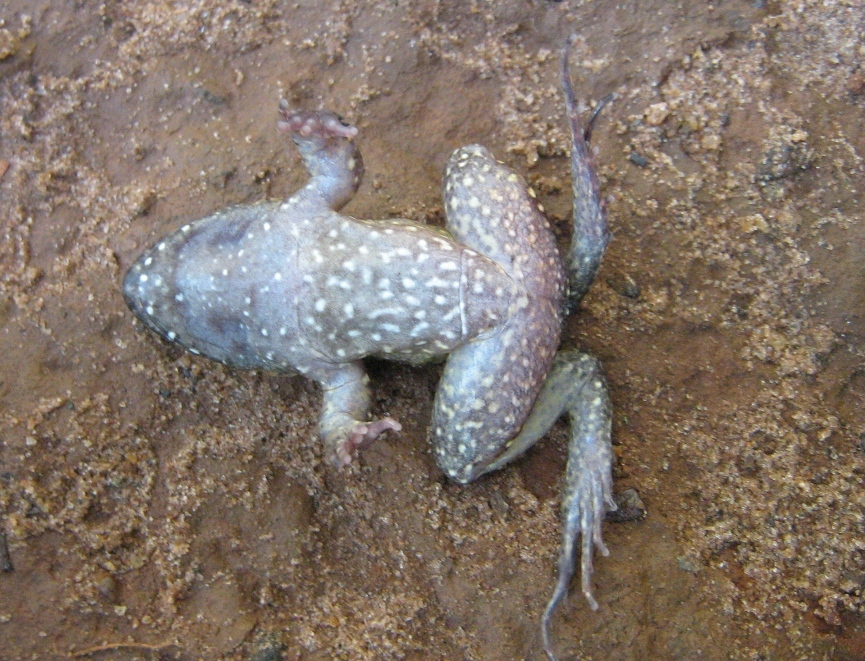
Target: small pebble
5	560
631	507
638	159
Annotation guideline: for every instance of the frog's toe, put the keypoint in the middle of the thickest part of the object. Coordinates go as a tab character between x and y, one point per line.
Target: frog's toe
360	436
313	124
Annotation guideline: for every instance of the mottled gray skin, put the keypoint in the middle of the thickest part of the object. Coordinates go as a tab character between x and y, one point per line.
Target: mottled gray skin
297	287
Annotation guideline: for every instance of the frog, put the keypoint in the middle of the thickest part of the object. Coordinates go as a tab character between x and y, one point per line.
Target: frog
296	287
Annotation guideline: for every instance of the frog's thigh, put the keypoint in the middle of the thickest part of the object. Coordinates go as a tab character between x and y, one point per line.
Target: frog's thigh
483	199
575	384
485	394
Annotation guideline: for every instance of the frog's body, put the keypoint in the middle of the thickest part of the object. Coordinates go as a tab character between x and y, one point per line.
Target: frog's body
296	286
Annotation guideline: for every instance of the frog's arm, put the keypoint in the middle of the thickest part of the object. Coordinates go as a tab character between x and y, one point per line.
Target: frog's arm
326	144
346	407
590	223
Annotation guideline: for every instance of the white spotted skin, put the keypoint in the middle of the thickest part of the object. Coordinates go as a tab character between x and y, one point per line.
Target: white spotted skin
489	387
394	289
283	288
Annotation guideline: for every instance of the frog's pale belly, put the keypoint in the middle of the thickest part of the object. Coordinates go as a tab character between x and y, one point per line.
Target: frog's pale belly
268	287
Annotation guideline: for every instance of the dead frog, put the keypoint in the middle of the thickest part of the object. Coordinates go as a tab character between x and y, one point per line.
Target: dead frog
296	287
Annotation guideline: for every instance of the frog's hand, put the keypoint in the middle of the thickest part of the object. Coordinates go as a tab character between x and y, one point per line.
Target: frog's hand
346	407
590	223
326	143
575	384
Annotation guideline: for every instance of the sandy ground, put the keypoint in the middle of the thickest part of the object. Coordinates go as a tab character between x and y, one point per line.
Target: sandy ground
164	507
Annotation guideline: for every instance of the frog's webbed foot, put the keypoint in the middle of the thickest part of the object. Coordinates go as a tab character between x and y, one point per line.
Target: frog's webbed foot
590	223
588	492
326	143
357	436
575	385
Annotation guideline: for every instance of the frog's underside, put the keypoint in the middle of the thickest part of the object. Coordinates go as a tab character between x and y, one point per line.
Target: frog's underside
297	287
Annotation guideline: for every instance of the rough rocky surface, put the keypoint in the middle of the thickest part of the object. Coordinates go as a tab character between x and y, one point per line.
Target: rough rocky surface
160	506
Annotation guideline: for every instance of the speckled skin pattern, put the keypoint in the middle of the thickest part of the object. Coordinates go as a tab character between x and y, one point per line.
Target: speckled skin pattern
297	287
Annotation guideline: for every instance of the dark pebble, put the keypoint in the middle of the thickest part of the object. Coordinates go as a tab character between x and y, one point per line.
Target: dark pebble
638	159
631	507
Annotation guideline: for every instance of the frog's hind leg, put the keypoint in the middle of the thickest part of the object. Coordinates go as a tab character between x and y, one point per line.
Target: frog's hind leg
590	222
574	385
490	383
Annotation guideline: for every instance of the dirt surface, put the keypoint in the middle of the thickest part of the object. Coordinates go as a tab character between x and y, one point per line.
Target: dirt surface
159	506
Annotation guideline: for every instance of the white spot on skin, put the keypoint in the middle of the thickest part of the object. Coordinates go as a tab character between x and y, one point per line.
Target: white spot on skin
171	335
375	314
320	305
143	277
348	309
267	227
149	310
417	330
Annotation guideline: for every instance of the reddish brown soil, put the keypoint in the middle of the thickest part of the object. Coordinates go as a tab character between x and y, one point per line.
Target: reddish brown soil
153	499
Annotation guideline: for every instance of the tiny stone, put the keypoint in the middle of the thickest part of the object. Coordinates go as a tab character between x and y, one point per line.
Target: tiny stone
656	113
638	159
631	507
689	564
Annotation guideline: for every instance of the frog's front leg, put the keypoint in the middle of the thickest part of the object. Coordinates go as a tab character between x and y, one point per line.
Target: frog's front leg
346	407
